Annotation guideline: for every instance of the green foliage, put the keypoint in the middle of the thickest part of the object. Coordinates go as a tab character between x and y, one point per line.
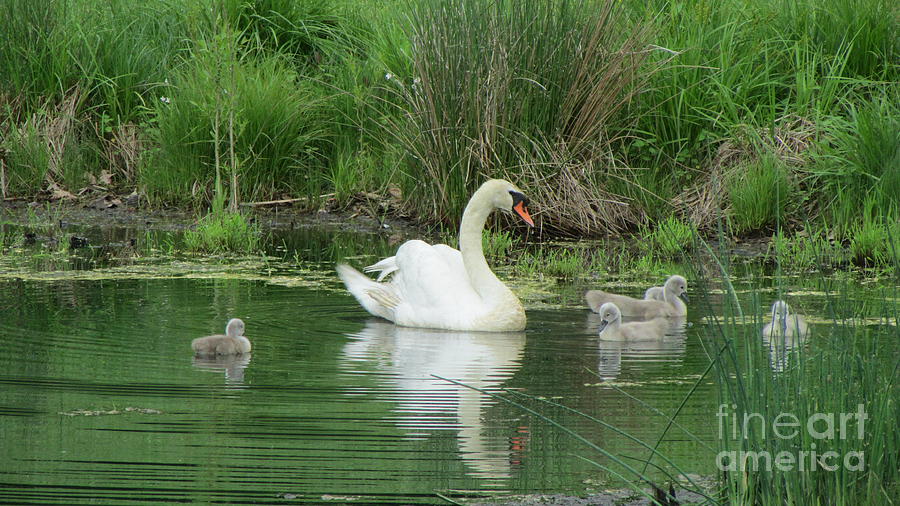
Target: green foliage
760	192
27	159
309	31
485	100
497	245
671	238
857	174
804	253
433	96
875	243
262	113
559	262
224	232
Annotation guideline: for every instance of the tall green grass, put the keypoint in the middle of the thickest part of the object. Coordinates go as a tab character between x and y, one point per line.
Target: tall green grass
760	193
845	363
610	115
256	110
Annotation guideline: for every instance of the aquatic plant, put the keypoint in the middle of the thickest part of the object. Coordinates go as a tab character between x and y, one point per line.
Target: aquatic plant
554	120
224	232
759	193
497	245
670	239
227	108
811	250
842	374
359	96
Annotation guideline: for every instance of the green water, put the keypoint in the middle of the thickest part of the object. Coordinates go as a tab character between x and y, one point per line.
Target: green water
102	401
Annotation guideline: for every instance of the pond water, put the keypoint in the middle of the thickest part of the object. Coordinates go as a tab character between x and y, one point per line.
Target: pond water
101	399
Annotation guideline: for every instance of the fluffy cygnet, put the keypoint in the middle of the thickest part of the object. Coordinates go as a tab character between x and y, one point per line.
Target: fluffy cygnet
612	328
232	343
674	290
784	324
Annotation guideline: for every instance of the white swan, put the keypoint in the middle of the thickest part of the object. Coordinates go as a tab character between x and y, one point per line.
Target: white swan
669	305
232	343
443	288
784	323
612	328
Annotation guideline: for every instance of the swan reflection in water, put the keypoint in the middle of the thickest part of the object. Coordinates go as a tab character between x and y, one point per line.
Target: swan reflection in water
232	365
411	357
670	348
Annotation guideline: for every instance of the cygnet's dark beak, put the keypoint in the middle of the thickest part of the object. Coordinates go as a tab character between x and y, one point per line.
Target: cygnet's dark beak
603	324
684	297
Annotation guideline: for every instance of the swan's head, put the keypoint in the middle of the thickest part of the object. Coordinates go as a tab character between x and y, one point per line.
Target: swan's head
507	197
235	328
677	286
609	313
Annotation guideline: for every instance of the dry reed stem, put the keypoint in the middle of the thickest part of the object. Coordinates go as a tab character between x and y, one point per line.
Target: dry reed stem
58	131
122	151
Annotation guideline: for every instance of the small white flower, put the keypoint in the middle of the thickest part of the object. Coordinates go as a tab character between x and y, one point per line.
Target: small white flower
166	81
389	76
417	81
165	100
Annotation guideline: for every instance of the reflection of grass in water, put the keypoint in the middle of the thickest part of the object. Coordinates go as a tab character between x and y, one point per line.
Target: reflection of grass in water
625	468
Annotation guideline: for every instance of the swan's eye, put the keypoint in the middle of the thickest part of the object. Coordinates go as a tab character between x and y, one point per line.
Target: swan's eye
518	197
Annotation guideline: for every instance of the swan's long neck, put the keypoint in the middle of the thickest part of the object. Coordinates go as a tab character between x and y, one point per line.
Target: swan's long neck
482	278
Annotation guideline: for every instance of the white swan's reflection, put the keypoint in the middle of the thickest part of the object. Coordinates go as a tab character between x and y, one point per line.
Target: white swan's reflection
410	357
669	349
232	365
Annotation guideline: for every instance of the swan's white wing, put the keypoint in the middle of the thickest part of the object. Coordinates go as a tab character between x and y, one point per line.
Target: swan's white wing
432	283
385	267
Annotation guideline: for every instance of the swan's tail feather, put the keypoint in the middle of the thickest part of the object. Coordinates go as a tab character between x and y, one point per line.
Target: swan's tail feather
370	294
386	267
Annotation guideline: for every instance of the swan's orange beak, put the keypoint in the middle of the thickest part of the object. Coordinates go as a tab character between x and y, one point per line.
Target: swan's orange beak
522	211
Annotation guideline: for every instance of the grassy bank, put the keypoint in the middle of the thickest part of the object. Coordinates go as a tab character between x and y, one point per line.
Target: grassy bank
770	117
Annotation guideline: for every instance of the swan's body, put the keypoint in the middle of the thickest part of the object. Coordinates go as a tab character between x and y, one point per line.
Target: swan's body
784	323
612	328
232	343
671	305
443	288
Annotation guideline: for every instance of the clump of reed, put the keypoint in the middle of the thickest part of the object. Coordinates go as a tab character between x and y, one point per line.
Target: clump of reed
529	92
227	104
222	232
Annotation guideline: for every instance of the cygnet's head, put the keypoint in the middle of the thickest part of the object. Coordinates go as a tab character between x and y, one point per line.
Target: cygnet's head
609	313
235	328
780	312
677	286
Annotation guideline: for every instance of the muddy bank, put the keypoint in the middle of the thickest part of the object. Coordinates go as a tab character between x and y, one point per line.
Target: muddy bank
111	211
